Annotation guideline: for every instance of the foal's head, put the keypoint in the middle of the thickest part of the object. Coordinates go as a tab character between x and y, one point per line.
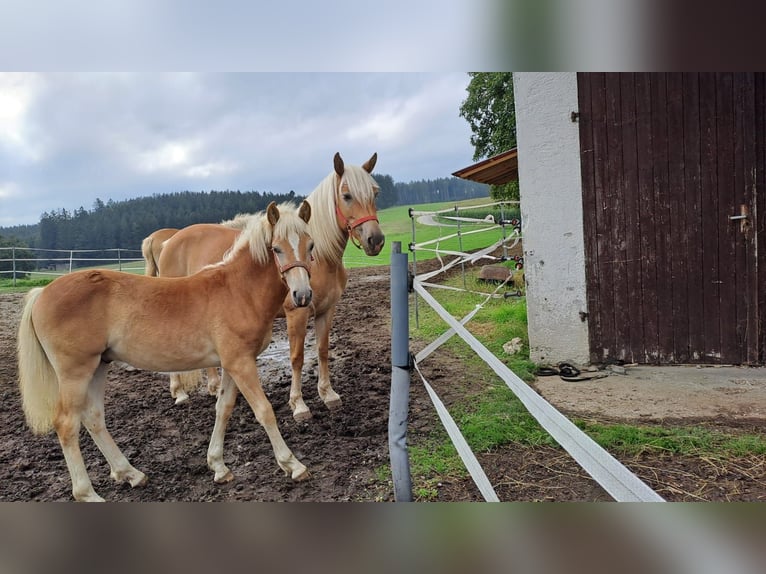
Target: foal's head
291	246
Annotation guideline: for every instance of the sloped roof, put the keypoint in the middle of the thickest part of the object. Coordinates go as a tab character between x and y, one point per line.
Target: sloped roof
496	170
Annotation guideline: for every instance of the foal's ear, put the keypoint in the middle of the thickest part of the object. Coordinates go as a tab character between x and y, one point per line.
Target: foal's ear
369	165
338	163
272	213
305	211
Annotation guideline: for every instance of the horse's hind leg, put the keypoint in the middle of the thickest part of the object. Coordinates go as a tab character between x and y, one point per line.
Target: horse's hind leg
177	390
297	321
73	396
93	419
227	398
322	324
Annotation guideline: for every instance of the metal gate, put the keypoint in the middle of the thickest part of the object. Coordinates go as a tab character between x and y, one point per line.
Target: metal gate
671	169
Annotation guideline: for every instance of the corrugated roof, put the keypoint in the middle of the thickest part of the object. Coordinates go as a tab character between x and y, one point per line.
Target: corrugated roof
496	170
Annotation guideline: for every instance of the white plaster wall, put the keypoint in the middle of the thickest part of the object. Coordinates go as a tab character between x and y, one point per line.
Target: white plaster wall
552	216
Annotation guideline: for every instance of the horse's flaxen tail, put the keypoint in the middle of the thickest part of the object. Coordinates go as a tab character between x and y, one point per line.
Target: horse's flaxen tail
151	269
37	379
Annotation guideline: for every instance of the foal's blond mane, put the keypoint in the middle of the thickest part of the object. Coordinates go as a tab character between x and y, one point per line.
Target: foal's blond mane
257	232
330	239
239	221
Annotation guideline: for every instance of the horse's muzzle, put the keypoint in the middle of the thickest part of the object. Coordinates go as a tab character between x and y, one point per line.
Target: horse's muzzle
373	243
302	297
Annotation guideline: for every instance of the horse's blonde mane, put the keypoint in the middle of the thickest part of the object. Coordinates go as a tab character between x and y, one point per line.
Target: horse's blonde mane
257	232
239	221
329	239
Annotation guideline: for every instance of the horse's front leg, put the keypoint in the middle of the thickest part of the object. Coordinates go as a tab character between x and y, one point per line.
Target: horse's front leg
227	398
322	324
245	374
297	322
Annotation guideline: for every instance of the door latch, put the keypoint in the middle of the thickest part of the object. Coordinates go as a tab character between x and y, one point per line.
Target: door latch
743	217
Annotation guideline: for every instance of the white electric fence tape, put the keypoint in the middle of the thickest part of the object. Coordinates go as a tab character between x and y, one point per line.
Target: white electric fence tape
616	479
463	450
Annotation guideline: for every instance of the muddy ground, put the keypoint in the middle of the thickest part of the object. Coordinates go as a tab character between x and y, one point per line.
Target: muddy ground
342	449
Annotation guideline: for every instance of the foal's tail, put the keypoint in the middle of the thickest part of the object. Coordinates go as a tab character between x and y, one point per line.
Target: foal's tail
37	379
151	268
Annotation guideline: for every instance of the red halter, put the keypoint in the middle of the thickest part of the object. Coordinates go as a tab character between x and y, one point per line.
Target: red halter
297	263
351	226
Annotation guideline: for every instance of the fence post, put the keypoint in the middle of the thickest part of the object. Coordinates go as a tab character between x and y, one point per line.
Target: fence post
400	376
13	256
460	244
414	266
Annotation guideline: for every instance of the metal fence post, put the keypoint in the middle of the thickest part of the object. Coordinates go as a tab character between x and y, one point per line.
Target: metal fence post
400	376
13	256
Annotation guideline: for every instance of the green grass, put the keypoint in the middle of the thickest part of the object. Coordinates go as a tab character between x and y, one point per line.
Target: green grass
22	285
490	416
397	225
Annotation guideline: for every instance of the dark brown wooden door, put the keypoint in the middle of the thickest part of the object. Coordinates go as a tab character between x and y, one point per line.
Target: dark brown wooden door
670	164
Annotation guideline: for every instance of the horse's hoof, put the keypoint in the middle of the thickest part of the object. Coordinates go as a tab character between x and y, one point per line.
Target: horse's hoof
138	481
302	416
334	404
300	475
226	477
181	399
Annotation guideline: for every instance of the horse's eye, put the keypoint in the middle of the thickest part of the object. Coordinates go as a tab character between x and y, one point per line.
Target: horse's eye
347	197
311	247
277	250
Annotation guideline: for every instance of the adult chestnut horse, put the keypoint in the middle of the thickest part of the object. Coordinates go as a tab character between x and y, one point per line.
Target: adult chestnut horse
73	328
343	209
151	247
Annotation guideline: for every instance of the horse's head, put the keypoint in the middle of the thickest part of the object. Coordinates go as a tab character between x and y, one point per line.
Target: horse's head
355	204
292	245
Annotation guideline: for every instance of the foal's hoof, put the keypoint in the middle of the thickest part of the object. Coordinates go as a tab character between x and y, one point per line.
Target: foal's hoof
302	416
224	478
181	399
300	475
138	480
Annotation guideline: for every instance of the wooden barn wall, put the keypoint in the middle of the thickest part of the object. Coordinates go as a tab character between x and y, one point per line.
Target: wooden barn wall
666	160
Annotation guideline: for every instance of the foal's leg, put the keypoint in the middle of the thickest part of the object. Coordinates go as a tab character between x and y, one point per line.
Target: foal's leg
297	322
73	396
176	389
245	374
213	381
227	398
93	419
322	324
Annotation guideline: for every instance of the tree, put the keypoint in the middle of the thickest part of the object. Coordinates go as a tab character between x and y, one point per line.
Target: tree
490	111
387	196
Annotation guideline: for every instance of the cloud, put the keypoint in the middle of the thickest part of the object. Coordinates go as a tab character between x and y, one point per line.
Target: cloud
17	94
70	138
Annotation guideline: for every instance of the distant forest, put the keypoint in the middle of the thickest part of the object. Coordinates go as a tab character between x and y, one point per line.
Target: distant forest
124	224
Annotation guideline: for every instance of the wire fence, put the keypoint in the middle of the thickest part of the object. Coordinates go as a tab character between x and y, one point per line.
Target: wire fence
20	262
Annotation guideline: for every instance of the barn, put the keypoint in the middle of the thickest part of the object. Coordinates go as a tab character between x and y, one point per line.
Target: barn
640	200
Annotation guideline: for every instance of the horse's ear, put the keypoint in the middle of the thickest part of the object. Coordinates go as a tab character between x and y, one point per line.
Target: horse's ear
369	165
338	163
272	213
305	211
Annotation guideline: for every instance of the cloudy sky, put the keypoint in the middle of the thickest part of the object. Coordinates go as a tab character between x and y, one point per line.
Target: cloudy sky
67	139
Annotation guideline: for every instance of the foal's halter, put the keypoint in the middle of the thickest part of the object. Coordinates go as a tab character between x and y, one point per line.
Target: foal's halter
349	226
285	268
